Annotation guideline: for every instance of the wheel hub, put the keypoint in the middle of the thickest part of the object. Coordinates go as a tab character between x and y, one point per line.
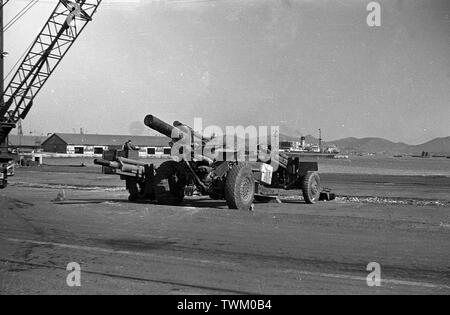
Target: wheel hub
246	189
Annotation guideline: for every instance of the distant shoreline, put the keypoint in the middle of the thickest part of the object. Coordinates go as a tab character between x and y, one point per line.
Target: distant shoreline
375	165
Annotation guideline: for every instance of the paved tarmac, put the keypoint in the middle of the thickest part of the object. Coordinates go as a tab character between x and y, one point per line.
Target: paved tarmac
201	247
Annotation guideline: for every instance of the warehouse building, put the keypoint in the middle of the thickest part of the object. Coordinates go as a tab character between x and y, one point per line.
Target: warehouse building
26	143
95	145
26	150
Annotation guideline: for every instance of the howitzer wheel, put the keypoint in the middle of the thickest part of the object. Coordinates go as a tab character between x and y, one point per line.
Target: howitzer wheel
311	187
169	183
4	178
240	187
137	191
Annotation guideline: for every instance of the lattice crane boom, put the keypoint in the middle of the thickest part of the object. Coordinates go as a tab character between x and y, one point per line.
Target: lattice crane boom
65	24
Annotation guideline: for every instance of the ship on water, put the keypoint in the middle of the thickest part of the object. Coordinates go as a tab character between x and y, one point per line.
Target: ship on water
308	150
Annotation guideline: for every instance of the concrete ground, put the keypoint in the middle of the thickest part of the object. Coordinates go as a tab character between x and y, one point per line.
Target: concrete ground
201	247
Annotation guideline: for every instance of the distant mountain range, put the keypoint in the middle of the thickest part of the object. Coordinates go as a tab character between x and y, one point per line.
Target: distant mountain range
381	146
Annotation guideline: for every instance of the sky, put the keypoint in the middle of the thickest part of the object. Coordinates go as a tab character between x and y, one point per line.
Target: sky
299	64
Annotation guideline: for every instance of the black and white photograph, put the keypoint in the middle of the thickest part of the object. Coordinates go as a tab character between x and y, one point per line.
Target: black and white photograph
224	155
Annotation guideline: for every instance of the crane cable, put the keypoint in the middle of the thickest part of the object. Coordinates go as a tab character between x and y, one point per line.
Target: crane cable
9	24
4	3
18	61
20	14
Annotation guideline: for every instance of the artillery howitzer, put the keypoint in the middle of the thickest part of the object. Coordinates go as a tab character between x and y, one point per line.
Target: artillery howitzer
237	181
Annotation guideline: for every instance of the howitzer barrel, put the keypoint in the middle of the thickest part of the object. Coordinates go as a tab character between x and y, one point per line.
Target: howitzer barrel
159	125
132	162
188	130
106	163
125	166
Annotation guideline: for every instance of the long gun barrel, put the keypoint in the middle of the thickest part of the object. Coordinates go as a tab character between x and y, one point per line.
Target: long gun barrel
124	166
112	164
189	130
162	127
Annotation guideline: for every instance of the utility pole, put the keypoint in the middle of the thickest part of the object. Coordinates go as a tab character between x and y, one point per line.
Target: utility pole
3	146
4	153
2	55
320	140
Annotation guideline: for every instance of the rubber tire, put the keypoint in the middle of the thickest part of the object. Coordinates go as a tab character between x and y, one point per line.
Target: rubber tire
4	181
240	174
169	183
311	187
137	191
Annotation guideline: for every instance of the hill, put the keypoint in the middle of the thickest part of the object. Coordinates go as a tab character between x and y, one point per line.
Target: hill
380	145
437	146
371	145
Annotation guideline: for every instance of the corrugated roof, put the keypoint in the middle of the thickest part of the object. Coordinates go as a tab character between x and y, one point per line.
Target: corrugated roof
112	140
26	141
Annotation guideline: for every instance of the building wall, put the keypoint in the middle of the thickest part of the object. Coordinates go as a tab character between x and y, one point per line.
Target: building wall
54	145
88	150
147	152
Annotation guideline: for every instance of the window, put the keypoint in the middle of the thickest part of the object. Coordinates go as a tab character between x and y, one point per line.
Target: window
167	151
79	150
98	150
151	151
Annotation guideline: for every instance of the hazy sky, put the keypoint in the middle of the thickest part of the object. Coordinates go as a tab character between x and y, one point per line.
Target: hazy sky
301	64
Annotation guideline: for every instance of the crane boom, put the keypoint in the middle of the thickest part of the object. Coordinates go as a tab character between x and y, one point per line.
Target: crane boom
67	21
